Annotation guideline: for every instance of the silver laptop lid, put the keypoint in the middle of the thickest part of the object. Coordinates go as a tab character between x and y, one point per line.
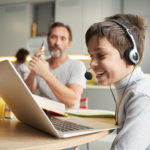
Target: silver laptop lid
20	100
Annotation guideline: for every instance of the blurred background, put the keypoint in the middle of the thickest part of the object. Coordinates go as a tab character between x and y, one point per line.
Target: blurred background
24	23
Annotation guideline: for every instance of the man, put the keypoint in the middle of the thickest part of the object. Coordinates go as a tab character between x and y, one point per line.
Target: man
59	78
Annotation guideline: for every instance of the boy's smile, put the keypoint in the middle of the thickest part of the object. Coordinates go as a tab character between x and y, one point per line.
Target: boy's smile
106	61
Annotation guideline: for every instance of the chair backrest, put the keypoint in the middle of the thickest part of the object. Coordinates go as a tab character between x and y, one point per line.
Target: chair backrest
84	103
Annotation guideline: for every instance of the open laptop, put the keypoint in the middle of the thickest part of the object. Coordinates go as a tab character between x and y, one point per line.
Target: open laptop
22	103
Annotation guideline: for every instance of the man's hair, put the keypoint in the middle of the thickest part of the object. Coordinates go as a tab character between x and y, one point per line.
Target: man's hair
60	24
117	36
21	55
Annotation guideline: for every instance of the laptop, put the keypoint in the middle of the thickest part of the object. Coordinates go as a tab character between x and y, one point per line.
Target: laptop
23	104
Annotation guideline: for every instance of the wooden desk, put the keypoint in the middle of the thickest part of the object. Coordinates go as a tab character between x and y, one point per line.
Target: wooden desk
16	135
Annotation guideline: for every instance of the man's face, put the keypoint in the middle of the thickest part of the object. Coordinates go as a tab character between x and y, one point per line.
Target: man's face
106	61
58	41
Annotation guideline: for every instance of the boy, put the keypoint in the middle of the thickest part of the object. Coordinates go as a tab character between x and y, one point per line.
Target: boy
116	47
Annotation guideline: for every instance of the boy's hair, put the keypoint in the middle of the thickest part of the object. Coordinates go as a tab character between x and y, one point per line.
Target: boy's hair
117	36
60	24
21	55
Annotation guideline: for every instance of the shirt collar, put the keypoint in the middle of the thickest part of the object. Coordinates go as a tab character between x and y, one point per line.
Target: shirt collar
132	77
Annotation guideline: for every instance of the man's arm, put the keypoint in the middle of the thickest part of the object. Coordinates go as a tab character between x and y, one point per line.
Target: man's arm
30	81
69	95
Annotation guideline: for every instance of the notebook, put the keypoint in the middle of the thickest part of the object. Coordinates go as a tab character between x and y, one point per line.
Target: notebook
91	113
23	104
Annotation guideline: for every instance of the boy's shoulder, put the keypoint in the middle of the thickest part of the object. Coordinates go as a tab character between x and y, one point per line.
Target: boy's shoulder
142	85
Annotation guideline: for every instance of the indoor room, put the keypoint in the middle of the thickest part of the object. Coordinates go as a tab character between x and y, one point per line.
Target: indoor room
25	24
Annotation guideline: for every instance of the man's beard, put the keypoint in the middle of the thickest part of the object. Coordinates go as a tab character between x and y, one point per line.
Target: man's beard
55	51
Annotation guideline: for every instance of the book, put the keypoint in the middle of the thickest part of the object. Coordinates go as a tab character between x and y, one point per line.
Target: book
51	106
90	113
56	108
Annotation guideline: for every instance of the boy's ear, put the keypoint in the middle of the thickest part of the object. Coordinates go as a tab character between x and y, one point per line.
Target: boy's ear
127	64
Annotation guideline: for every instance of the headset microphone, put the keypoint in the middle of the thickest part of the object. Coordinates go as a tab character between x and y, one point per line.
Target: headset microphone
88	75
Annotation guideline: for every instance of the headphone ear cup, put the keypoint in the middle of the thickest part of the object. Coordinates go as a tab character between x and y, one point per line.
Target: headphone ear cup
127	56
131	55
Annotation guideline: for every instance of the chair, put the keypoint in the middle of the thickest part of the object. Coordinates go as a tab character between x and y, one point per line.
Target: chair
84	105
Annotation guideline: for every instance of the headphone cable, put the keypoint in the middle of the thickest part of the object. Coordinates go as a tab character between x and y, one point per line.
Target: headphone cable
116	109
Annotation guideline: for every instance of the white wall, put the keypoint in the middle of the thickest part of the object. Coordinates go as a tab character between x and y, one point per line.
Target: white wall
80	14
14	27
100	98
69	12
141	7
21	1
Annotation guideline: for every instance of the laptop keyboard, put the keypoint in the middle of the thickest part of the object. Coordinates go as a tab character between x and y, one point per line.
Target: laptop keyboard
63	125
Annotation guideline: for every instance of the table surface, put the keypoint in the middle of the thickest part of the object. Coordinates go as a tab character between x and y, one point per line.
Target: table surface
16	135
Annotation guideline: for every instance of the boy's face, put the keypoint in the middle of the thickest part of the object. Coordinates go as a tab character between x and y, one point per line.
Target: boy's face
106	61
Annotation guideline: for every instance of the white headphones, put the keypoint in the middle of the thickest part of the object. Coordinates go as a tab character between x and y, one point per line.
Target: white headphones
131	55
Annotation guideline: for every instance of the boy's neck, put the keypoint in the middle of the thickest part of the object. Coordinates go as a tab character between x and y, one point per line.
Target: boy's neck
129	72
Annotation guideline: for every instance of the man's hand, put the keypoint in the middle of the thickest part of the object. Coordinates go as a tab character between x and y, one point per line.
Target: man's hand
39	53
39	66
